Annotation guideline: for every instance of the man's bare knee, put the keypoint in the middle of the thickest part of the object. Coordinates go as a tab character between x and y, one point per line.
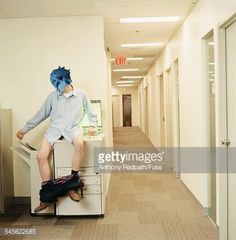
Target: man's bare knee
44	151
78	144
42	157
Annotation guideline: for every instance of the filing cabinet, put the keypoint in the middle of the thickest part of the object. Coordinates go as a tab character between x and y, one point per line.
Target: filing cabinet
93	202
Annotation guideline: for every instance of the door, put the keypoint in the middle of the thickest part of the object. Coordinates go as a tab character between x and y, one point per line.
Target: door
231	126
168	109
162	114
146	110
127	110
140	109
176	119
116	111
212	124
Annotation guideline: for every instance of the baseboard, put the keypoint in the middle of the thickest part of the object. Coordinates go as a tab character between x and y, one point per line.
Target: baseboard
22	200
205	211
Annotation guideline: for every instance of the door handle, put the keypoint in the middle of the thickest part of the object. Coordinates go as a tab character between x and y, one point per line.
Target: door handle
225	142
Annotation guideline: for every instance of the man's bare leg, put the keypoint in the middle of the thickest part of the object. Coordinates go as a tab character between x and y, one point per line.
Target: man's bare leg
77	154
76	161
42	157
44	168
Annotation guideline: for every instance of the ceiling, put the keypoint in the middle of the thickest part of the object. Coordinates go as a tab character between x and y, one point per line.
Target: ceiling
115	32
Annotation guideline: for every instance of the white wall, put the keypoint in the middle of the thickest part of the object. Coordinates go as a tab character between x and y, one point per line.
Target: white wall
186	45
141	105
134	101
108	115
29	49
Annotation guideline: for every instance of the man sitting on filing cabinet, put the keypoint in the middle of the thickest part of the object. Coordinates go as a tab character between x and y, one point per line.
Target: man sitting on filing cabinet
65	107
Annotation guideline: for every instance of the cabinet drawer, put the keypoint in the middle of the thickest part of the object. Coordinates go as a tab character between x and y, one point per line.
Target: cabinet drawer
89	171
90	205
90	189
83	172
91	180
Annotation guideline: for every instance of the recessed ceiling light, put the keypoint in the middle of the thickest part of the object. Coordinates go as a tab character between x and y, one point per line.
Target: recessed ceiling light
211	63
132	77
123	81
142	44
130	59
149	19
126	70
210	43
125	85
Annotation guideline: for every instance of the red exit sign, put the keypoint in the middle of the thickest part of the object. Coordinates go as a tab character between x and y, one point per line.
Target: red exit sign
120	60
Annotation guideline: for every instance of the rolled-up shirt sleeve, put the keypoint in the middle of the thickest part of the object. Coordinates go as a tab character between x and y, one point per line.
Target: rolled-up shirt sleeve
40	116
92	117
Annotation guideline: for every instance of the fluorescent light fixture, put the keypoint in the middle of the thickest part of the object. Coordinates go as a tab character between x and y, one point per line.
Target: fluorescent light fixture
123	81
125	85
153	44
135	59
126	70
211	43
132	77
149	19
130	59
211	63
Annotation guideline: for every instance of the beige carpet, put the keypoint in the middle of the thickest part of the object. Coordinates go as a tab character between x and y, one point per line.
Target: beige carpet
140	206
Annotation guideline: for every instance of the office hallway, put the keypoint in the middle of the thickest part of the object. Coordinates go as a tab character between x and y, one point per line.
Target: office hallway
155	206
140	206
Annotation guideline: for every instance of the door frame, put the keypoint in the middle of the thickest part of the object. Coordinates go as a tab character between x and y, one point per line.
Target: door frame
140	107
145	109
113	110
162	110
168	107
176	117
221	118
206	116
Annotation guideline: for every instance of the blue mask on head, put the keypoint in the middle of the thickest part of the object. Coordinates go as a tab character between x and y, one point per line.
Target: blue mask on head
60	78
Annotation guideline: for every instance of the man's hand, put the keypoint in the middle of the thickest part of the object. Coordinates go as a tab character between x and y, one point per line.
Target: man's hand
91	131
20	134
